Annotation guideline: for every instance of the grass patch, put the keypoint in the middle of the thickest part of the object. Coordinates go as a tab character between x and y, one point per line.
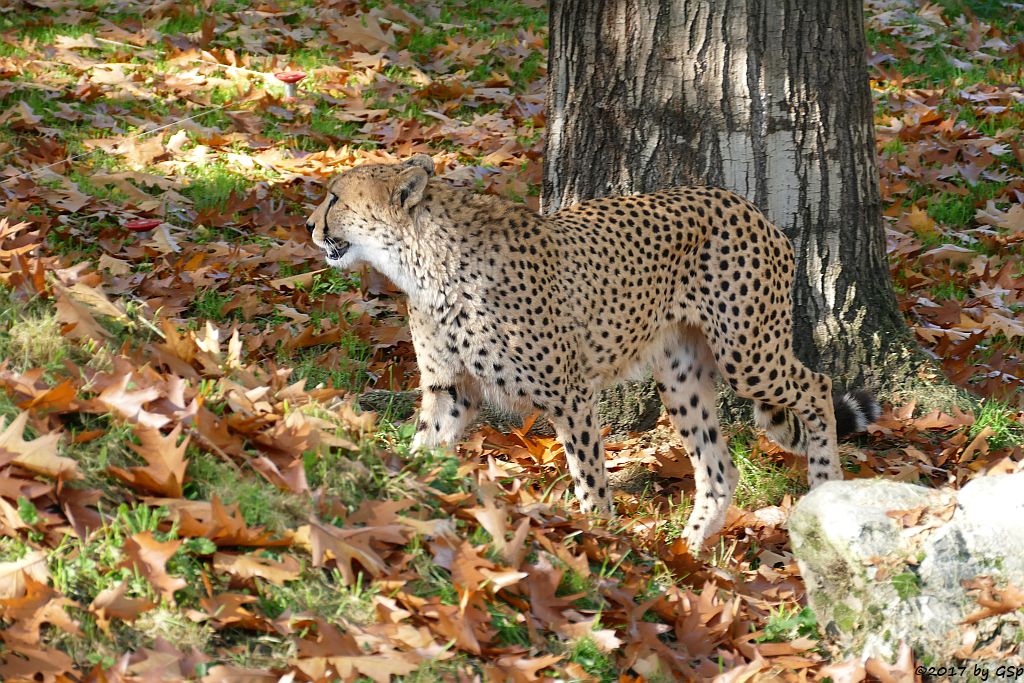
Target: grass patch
321	592
1001	419
951	209
209	304
332	281
589	656
786	624
958	210
30	334
212	185
81	569
432	581
341	366
324	122
949	290
354	476
676	517
261	503
460	667
510	626
762	483
95	457
995	11
907	585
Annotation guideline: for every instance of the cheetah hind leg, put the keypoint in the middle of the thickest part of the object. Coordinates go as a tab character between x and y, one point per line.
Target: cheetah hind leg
792	386
685	373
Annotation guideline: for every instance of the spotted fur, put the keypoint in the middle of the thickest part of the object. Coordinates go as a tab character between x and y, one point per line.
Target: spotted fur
525	310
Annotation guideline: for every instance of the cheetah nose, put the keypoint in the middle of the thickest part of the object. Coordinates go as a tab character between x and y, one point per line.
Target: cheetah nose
310	226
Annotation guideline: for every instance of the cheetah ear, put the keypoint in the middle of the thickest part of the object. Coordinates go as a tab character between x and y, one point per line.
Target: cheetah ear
424	161
409	186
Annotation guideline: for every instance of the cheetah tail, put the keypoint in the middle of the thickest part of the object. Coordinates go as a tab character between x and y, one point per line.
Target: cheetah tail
854	410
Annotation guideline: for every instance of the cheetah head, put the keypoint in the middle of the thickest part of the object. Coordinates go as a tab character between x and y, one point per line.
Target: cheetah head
365	208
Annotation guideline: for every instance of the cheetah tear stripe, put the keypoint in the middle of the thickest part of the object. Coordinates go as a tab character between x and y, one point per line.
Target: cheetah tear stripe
542	312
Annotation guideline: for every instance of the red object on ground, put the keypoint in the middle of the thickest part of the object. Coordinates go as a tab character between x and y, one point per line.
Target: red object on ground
290	78
143	224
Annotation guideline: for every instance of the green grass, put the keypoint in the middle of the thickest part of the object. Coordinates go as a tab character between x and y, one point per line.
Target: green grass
786	624
182	23
997	416
332	281
86	185
957	210
907	585
510	626
453	669
573	583
12	549
589	656
997	12
325	122
951	209
354	476
212	185
42	103
28	27
894	147
260	502
762	483
431	580
209	303
30	334
82	569
949	290
479	17
676	517
347	372
322	592
95	457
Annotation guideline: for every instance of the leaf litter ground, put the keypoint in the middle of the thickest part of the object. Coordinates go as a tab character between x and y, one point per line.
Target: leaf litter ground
187	489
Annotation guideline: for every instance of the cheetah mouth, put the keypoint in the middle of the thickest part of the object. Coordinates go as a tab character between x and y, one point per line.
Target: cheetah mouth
335	251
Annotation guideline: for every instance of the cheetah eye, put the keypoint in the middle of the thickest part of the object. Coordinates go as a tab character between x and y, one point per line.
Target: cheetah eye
330	204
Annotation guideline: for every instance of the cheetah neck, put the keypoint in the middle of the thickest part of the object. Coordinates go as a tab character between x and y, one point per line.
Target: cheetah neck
436	258
429	251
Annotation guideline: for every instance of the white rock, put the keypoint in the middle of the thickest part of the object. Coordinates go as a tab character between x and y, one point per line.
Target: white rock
873	583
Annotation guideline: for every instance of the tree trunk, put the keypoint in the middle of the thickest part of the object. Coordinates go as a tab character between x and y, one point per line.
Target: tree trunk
768	98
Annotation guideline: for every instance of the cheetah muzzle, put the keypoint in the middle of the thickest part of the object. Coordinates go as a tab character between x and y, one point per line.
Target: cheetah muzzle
335	252
542	312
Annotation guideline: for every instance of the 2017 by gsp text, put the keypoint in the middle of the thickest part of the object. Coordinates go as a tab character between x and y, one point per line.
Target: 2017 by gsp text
977	672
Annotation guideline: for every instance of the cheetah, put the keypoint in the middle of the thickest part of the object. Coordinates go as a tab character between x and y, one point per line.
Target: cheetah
541	312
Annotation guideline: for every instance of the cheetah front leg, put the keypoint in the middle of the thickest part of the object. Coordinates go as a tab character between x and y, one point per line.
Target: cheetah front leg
447	409
578	430
451	397
685	374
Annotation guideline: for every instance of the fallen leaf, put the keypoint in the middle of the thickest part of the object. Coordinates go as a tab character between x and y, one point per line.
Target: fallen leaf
38	455
149	557
164	472
251	566
12	574
129	403
112	604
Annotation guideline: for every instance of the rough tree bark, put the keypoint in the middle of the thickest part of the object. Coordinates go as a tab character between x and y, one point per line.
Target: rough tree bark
768	98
